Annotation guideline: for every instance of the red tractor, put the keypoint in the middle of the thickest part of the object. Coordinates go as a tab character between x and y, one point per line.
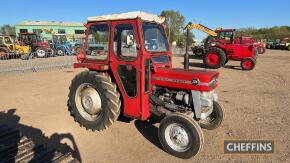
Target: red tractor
225	48
39	47
223	45
130	73
261	47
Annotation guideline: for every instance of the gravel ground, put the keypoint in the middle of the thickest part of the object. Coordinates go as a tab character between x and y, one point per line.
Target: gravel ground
256	102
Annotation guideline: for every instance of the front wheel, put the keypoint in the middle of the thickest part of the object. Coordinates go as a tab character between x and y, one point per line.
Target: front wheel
248	64
180	135
198	51
215	119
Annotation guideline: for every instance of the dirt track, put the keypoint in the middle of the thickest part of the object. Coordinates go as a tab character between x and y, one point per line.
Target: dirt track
256	102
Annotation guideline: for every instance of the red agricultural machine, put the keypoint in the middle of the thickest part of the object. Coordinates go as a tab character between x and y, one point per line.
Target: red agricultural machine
39	47
224	46
131	73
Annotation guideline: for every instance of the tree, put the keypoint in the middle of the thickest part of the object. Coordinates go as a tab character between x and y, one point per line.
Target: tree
7	29
273	33
175	23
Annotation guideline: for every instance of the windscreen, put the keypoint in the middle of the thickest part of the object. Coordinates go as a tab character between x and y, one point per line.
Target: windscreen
154	37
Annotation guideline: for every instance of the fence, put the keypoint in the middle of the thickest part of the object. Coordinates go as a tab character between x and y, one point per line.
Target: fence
24	63
28	62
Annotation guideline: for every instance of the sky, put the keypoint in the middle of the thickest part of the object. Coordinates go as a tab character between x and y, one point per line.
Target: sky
213	14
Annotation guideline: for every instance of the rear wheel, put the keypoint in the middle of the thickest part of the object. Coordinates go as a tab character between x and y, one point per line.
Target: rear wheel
40	52
94	101
214	58
215	119
180	135
248	64
4	53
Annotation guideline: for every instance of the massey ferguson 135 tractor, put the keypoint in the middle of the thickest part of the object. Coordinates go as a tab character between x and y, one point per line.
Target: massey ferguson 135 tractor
225	47
131	73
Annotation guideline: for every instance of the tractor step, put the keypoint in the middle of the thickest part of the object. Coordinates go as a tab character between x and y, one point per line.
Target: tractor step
16	147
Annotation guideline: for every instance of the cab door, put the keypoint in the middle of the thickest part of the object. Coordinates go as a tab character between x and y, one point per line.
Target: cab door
125	63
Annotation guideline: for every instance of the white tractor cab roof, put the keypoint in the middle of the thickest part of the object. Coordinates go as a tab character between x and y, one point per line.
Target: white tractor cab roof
129	15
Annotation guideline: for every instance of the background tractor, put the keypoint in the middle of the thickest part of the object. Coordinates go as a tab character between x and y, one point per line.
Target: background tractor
40	47
285	43
224	46
8	47
131	74
212	35
62	46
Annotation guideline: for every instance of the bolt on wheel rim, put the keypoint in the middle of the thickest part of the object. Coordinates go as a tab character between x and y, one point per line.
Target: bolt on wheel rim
177	137
88	102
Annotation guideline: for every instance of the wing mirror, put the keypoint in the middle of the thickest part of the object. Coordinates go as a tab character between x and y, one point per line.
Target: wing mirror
130	40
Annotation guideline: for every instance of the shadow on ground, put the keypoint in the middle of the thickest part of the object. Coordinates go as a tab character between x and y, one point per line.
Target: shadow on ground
233	67
22	143
149	131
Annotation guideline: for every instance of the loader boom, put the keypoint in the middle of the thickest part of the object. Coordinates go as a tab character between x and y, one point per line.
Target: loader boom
202	28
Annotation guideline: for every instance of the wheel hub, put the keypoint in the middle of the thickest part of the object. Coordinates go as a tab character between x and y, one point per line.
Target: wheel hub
177	137
248	64
88	102
59	52
213	59
41	53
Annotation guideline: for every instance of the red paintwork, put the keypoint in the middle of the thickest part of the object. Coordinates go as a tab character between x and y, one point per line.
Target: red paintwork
138	107
203	76
235	50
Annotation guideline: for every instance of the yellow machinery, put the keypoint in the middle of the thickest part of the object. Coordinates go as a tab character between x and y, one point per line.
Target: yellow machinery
202	28
9	47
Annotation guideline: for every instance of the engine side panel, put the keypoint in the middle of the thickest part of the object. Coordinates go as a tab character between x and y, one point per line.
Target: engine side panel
199	80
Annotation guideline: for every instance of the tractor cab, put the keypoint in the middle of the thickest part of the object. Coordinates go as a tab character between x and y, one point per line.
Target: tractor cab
40	47
227	35
9	46
129	64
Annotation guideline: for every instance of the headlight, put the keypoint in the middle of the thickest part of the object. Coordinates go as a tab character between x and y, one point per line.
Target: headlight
207	98
213	81
213	44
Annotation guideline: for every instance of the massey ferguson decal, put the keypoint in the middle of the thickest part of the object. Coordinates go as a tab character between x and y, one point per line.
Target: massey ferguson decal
193	81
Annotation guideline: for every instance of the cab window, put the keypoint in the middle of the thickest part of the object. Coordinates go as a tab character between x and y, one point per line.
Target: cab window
7	40
227	36
125	42
98	42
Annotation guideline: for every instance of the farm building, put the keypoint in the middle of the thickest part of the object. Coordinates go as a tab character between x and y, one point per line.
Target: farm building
73	30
